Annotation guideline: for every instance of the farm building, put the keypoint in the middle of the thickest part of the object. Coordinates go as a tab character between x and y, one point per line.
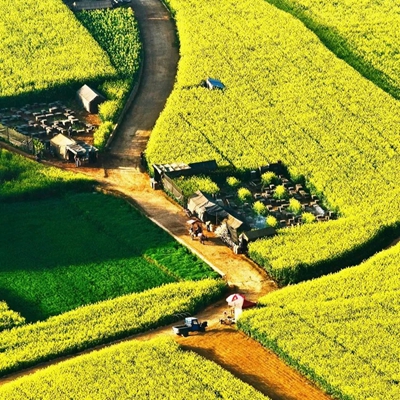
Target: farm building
235	227
90	99
68	148
205	208
59	144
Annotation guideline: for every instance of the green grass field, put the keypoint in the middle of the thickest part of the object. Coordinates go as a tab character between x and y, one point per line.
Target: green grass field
68	248
59	254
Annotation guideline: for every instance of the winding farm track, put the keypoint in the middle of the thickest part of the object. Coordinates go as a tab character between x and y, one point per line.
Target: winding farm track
119	173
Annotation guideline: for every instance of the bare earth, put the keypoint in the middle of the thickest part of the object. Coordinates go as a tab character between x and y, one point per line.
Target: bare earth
119	172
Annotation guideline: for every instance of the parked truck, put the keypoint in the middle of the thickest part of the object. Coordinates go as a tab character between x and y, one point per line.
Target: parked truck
192	324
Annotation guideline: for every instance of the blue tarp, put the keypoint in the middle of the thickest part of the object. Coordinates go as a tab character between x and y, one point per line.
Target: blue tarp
214	84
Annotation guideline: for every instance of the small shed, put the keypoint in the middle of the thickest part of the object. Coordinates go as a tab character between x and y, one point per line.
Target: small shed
235	227
77	150
90	99
60	143
214	84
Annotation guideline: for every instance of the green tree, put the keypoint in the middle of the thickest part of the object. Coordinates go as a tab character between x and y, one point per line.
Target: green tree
308	218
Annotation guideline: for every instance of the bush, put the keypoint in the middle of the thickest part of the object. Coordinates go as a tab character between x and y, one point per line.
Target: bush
102	134
192	184
115	90
244	195
232	181
280	192
108	111
268	177
9	318
271	221
259	208
295	206
308	218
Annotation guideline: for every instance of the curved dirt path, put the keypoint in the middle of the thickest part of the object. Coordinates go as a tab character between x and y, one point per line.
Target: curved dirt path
160	60
119	172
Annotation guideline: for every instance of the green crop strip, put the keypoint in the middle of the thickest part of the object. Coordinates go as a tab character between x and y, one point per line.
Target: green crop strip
23	179
9	318
59	254
117	32
74	249
288	98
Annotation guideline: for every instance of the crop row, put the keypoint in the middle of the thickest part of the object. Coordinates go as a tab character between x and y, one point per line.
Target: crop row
371	46
155	369
46	49
340	330
9	318
103	322
132	230
286	98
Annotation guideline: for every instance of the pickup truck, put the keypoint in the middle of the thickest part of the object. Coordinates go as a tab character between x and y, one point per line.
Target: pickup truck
191	325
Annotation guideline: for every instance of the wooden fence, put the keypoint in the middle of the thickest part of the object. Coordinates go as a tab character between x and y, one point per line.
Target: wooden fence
169	186
17	139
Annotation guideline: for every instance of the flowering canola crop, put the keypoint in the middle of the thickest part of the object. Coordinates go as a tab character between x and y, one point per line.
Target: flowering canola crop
103	322
47	49
155	369
288	98
341	330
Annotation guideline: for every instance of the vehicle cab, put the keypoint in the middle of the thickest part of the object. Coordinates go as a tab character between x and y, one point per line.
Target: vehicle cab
193	323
